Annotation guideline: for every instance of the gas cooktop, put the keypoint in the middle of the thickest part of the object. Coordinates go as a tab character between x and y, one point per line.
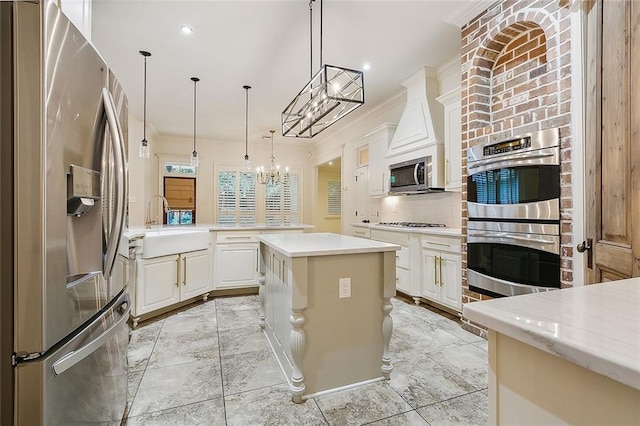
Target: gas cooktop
413	224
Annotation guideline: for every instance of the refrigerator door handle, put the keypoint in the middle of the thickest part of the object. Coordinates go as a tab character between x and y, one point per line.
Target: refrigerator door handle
117	138
72	358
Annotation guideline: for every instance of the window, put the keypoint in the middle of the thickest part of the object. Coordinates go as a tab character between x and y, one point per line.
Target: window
236	197
283	201
334	200
180	193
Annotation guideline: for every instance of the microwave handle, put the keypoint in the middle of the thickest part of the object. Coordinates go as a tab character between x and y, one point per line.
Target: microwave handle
415	173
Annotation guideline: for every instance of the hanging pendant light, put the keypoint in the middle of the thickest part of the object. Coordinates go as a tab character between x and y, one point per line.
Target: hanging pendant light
272	175
332	93
194	155
144	144
246	164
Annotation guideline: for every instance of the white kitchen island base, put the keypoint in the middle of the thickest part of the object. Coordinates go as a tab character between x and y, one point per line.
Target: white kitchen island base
324	342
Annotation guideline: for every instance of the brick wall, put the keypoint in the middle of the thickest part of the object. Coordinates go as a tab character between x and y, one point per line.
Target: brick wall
516	78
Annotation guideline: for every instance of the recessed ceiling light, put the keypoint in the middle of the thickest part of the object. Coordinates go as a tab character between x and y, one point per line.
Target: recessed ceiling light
366	66
186	29
331	163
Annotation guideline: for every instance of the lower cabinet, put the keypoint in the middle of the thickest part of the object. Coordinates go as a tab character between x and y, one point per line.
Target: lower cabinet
236	265
167	280
442	277
236	258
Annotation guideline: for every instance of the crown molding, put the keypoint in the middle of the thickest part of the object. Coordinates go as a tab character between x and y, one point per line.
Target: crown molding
463	15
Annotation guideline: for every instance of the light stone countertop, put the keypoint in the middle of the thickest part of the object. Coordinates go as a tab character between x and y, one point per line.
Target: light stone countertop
139	232
449	232
322	244
595	326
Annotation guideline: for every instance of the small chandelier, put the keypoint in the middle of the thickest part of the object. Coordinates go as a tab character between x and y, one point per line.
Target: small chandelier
194	155
246	164
332	93
272	175
144	144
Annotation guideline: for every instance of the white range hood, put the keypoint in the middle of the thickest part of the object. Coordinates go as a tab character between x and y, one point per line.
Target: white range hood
422	121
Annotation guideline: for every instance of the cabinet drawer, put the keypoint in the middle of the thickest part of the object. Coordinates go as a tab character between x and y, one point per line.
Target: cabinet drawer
442	243
236	237
361	232
401	238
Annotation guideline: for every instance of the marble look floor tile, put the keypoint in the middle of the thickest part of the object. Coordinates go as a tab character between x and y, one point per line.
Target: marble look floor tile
427	337
207	308
141	344
249	371
230	319
133	381
175	347
237	303
270	406
456	329
206	413
401	349
361	404
471	409
466	361
484	345
242	339
176	385
421	381
183	321
410	418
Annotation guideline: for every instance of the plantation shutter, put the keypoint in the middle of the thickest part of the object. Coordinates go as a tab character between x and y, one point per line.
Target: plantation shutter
236	197
334	202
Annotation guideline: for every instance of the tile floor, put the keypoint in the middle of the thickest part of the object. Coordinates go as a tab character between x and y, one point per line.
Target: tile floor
210	364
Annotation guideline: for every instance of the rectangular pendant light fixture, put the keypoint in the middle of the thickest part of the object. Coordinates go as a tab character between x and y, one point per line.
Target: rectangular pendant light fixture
330	95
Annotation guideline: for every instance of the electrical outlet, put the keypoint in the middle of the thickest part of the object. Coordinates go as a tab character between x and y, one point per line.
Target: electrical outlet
344	287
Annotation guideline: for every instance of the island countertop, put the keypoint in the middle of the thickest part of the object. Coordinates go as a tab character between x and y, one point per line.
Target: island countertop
595	326
323	244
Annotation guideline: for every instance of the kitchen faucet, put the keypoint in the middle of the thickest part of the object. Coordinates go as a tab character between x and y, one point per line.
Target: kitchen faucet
148	221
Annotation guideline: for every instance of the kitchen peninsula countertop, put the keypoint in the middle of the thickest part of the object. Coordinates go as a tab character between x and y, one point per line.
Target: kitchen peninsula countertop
450	232
595	326
322	244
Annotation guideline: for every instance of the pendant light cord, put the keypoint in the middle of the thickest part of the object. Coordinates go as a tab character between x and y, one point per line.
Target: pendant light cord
144	115
195	80
320	33
246	122
311	38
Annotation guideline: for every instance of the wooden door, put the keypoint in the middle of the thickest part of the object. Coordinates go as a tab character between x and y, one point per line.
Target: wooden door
613	144
180	192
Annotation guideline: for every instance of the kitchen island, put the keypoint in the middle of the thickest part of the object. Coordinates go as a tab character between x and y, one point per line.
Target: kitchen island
326	309
569	356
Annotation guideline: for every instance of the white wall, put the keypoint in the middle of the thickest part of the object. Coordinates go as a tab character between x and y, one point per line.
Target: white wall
142	172
213	153
436	208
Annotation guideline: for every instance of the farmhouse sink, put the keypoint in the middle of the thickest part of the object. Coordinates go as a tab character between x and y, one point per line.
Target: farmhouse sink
163	242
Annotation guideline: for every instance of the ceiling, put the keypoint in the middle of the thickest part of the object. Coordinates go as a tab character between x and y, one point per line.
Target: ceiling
264	44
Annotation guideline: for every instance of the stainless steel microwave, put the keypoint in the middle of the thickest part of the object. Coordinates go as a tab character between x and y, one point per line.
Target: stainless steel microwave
412	177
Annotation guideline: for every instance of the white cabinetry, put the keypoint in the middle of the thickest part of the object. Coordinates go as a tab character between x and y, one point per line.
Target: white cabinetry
378	140
236	260
166	280
441	274
452	140
236	257
407	279
362	192
362	232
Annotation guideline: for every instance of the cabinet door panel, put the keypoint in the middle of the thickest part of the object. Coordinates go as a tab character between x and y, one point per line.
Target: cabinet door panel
403	280
236	265
431	277
195	274
157	284
451	290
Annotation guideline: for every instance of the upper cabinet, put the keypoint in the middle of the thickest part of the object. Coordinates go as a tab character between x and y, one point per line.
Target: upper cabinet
378	140
452	140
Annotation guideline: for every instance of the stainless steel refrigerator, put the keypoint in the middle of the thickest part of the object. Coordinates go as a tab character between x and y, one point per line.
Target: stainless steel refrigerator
63	183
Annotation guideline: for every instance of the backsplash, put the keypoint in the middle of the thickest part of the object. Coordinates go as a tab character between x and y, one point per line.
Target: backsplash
442	207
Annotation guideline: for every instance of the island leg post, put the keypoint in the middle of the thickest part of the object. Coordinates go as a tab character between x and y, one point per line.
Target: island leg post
387	329
297	343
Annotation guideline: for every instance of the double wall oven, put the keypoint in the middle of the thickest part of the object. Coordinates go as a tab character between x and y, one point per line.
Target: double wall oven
513	202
